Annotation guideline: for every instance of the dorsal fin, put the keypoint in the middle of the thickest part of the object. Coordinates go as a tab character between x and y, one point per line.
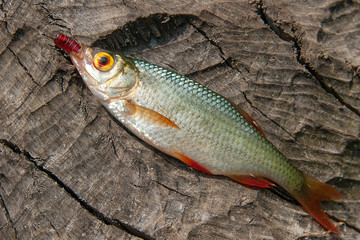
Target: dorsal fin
248	118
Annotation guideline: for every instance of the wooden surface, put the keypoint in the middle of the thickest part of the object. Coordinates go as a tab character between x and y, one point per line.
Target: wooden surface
69	171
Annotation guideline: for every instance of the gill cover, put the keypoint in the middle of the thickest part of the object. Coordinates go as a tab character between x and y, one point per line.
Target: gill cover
108	74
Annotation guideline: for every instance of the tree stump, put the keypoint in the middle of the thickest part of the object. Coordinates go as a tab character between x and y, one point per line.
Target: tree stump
69	171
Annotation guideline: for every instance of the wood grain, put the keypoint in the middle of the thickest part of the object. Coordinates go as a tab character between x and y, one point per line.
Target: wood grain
68	170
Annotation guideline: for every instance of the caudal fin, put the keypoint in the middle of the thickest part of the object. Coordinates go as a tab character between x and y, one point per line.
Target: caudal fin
310	196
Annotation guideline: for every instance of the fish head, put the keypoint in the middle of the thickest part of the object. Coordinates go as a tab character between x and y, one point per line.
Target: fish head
107	74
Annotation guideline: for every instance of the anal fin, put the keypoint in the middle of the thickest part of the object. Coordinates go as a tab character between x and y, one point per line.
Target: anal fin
252	181
190	162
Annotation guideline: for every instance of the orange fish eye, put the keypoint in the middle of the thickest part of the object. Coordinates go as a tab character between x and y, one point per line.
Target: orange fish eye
103	61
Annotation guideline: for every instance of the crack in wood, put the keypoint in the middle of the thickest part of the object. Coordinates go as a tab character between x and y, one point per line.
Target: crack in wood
5	15
53	227
297	45
92	210
23	66
257	109
58	74
57	77
128	6
209	68
212	42
53	20
22	103
113	147
311	235
349	225
340	5
8	216
228	61
265	115
171	189
260	10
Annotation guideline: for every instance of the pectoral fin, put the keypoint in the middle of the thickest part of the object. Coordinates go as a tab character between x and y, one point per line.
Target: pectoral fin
252	181
190	162
149	115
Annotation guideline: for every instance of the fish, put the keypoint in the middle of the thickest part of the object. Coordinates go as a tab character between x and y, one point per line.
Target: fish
192	123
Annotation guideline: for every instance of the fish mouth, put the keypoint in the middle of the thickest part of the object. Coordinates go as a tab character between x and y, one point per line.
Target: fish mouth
81	56
71	46
75	50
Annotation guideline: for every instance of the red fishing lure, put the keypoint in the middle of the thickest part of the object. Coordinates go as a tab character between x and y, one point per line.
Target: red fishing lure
67	43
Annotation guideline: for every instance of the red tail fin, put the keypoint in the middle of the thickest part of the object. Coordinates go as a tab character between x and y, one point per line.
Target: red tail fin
310	196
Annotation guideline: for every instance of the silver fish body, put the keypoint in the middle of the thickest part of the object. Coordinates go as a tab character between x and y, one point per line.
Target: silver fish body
192	123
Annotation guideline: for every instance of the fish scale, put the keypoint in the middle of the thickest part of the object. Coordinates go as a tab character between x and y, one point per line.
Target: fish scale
239	142
192	123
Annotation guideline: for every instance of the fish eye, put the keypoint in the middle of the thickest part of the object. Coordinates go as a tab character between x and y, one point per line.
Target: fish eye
103	61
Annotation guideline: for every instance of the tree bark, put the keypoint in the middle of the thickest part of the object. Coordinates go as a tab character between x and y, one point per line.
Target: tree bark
68	170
